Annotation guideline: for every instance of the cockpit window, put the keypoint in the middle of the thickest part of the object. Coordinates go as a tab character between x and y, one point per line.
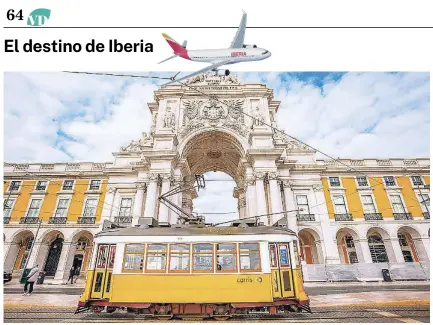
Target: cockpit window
265	52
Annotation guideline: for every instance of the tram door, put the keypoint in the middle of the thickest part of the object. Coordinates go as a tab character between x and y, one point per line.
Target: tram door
282	276
103	271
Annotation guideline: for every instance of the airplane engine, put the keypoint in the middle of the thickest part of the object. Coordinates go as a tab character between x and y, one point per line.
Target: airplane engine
223	72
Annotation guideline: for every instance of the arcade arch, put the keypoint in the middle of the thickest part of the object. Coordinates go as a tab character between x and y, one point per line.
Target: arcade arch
19	250
310	246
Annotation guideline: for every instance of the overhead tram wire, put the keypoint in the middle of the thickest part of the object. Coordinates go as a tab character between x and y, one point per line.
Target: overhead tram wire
263	123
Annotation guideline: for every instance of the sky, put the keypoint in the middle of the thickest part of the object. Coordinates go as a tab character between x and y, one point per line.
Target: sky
60	117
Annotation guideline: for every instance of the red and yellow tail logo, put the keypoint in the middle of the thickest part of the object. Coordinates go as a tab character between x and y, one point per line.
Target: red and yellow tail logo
177	48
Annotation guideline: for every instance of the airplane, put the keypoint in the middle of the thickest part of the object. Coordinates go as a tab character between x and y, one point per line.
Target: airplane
237	52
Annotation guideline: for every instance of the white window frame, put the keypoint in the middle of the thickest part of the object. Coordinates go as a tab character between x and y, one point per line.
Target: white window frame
85	204
73	185
339	181
401	200
90	183
14	200
374	202
421	199
120	205
29	204
57	205
344	200
308	211
384	182
46	186
19	187
362	186
416	186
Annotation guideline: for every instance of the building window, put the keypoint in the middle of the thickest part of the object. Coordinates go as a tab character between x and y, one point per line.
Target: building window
340	205
389	180
362	181
353	258
14	186
397	204
156	257
68	185
81	244
203	257
34	207
179	258
95	185
405	245
90	208
226	257
417	180
134	257
302	202
368	204
249	257
125	207
62	207
41	185
377	249
334	181
7	207
425	202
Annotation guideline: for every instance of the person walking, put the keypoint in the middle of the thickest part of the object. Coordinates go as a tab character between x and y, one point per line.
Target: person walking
77	273
71	275
30	281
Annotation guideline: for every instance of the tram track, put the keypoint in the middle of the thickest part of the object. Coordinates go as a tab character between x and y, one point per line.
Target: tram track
321	315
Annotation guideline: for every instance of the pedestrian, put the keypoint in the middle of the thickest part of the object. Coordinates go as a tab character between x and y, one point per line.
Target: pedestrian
30	281
77	273
71	275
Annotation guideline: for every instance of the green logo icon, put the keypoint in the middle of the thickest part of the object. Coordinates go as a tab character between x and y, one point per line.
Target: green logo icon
38	17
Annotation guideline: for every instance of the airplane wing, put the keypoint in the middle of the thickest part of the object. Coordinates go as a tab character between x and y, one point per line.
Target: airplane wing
213	66
238	41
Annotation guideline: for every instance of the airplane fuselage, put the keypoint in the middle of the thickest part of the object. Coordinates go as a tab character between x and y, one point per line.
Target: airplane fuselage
235	55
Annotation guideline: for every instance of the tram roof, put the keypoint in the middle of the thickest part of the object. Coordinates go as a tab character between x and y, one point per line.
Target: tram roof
194	231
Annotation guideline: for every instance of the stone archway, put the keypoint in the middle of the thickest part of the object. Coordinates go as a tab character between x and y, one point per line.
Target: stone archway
380	245
349	247
411	244
19	251
216	151
310	246
80	251
49	252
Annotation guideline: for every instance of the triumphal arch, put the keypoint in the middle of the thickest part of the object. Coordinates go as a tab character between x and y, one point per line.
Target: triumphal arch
212	123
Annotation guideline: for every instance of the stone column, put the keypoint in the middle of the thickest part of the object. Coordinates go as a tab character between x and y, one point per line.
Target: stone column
11	251
149	210
108	204
366	255
242	206
61	271
138	203
261	199
397	251
163	217
187	201
33	258
292	222
251	206
275	193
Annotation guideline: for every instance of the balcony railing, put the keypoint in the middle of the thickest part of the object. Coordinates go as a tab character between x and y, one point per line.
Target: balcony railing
29	220
6	220
305	217
86	220
123	220
403	216
373	216
343	217
57	220
426	215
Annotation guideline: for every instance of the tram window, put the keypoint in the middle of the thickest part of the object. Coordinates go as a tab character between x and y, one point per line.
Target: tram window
98	281
179	258
226	257
156	257
203	257
134	256
102	257
249	257
112	255
284	255
273	255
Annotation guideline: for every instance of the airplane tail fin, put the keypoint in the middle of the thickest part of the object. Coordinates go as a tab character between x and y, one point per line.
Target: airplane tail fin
179	50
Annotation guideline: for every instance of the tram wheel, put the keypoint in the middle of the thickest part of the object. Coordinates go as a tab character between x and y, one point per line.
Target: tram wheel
221	318
164	317
111	309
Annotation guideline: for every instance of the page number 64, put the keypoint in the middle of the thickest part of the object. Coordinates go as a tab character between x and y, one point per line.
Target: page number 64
11	15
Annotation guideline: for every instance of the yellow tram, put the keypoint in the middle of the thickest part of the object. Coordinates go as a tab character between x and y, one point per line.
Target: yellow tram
209	272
